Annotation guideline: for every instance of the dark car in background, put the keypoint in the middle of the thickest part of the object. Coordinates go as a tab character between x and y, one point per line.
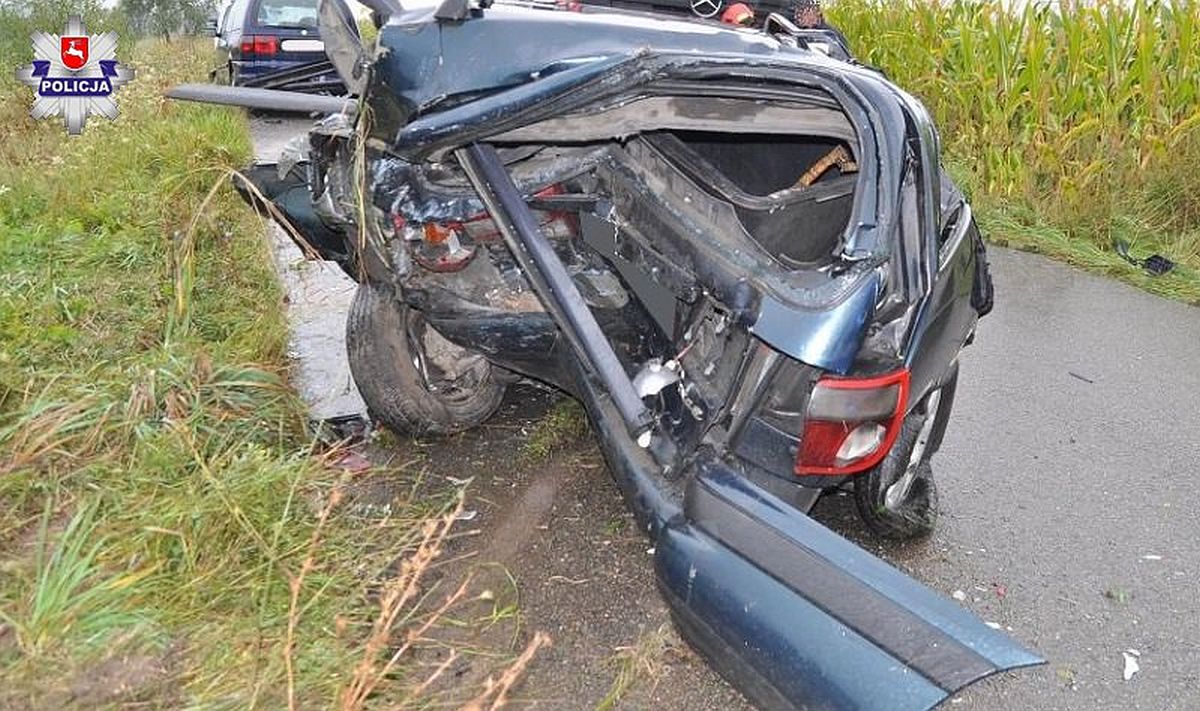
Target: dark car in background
275	44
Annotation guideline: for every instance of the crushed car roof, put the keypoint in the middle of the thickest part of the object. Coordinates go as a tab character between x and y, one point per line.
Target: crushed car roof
440	59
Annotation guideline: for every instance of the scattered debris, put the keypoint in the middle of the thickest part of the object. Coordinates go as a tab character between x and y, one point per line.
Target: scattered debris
1158	265
1131	663
959	595
1155	264
459	482
1077	376
568	581
1118	595
350	462
1000	590
344	429
1151	556
466	515
994	625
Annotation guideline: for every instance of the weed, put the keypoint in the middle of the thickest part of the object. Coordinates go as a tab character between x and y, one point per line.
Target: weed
615	526
143	387
643	660
72	599
495	693
1118	595
565	423
398	603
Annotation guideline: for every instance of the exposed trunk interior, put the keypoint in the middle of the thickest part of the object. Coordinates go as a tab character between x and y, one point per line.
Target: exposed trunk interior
758	164
790	195
668	197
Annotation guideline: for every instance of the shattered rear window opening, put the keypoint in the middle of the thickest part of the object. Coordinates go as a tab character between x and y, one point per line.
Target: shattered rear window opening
782	174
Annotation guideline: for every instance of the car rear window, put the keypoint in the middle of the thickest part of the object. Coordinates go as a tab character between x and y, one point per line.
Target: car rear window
287	13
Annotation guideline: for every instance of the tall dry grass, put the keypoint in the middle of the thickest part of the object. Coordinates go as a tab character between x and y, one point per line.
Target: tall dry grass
160	495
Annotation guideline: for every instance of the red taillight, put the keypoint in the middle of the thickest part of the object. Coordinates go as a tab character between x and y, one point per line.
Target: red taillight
260	46
449	245
851	423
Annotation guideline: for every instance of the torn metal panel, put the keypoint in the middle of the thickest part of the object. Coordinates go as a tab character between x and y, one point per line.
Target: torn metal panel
550	277
343	45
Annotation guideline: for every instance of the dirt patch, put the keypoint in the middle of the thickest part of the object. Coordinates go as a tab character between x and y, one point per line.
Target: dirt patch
21	543
122	680
552	548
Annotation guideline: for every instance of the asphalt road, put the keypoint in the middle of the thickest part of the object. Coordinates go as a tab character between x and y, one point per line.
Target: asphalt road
1069	471
1066	480
318	296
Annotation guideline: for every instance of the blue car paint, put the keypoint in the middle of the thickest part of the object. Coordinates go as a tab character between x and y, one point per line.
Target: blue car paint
732	558
781	648
428	62
995	646
828	338
800	653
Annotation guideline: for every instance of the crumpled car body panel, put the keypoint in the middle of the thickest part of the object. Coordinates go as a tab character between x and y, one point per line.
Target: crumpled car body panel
581	196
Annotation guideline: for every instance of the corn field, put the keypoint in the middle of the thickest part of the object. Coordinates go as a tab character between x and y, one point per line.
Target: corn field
1073	105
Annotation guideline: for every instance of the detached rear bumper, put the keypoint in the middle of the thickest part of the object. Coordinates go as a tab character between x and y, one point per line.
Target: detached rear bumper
795	615
789	612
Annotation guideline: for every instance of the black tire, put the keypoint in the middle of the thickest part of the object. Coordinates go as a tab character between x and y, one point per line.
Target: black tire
915	515
388	343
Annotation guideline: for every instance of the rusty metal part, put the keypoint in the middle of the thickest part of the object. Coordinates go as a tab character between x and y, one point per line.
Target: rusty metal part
838	156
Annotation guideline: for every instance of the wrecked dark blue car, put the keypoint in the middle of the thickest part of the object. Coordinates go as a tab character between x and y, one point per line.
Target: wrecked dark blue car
739	252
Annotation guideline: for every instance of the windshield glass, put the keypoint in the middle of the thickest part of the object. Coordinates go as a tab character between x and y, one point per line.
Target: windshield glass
287	13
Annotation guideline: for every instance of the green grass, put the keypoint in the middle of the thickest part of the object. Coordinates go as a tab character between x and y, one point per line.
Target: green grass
71	597
641	663
560	427
1071	126
158	489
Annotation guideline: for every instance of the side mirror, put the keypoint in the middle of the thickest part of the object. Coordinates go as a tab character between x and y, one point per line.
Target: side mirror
210	25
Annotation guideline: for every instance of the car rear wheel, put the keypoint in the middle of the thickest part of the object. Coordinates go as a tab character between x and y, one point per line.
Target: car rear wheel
898	498
412	379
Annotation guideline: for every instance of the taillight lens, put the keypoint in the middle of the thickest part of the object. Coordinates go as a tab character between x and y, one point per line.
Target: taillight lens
260	46
449	245
851	423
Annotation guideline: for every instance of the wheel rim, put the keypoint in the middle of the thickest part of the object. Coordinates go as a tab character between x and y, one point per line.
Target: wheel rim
896	495
447	387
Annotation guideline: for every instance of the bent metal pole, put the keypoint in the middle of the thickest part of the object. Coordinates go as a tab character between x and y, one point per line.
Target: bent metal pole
549	276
